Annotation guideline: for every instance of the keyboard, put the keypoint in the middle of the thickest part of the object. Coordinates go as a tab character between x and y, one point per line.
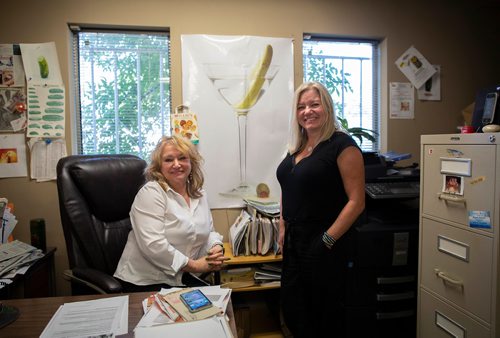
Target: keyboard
384	190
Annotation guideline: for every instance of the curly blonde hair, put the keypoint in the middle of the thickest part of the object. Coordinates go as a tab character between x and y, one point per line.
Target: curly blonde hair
195	178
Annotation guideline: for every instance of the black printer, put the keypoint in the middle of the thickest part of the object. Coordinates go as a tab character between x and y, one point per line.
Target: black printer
382	278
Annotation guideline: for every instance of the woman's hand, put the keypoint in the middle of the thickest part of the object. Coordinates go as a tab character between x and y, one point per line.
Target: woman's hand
281	235
214	261
215	257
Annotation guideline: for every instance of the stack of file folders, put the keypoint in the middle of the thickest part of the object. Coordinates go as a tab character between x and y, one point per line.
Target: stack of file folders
254	233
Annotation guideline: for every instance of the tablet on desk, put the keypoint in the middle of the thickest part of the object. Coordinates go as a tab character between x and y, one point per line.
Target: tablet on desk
195	300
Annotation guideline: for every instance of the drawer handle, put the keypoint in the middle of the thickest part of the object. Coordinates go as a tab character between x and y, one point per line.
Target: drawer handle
451	198
455	282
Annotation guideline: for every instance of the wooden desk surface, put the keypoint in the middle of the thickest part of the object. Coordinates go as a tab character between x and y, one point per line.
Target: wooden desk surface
36	313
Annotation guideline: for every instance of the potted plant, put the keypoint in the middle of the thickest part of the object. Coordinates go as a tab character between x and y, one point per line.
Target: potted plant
358	132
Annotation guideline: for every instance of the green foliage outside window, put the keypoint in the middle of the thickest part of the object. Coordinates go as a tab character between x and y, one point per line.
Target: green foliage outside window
337	82
124	92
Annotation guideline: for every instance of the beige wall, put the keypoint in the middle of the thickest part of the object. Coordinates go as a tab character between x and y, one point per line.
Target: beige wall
447	32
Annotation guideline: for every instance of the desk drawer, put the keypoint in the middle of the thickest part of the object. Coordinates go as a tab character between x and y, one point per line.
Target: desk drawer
457	264
439	320
476	181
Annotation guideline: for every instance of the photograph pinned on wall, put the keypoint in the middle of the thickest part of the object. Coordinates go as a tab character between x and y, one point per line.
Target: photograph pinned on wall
11	66
453	184
12	109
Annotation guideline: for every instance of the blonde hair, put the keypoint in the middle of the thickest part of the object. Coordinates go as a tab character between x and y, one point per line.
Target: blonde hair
195	178
298	137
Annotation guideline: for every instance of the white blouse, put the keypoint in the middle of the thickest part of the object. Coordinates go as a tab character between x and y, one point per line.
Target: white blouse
166	232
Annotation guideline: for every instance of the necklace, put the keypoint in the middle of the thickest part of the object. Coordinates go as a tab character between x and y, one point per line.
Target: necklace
310	148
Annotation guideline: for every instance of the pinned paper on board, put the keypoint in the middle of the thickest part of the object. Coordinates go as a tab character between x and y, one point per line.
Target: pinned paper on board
402	100
11	66
46	96
185	124
41	63
431	90
12	109
415	67
13	156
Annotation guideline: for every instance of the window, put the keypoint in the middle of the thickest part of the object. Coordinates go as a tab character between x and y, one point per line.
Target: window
122	81
349	69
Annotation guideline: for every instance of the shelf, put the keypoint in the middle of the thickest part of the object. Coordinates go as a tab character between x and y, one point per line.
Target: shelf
252	259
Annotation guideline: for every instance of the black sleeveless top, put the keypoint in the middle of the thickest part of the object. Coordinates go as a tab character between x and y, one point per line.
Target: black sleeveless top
312	191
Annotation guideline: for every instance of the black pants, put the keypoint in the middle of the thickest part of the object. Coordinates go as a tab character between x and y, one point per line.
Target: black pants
312	283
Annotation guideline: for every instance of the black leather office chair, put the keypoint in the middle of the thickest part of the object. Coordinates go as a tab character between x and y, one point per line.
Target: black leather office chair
95	196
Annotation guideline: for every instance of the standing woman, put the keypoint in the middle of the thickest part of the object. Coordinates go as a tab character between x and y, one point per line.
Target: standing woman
322	195
172	230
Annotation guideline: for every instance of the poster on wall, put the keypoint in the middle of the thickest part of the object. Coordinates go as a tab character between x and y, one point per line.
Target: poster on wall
415	67
402	100
46	96
241	88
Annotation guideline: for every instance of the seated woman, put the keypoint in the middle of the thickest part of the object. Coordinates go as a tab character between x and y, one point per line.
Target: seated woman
172	236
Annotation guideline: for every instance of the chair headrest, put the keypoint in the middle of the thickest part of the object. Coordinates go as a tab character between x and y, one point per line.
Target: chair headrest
107	183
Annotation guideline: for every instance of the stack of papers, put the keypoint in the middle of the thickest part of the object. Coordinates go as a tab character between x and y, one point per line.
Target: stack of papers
264	206
107	317
237	278
264	274
213	327
17	254
161	308
268	273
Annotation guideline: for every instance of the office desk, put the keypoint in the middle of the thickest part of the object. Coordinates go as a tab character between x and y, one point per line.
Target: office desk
36	313
38	281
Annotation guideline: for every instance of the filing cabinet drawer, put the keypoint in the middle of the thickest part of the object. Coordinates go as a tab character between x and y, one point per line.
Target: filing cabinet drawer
439	320
478	188
457	264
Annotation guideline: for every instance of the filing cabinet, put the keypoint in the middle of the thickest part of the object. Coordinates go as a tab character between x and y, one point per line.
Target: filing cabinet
458	267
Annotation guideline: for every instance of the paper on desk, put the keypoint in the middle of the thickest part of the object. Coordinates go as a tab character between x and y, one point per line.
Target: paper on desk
218	296
213	327
107	316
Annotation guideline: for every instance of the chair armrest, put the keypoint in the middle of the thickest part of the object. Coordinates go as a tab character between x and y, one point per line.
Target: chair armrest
95	279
